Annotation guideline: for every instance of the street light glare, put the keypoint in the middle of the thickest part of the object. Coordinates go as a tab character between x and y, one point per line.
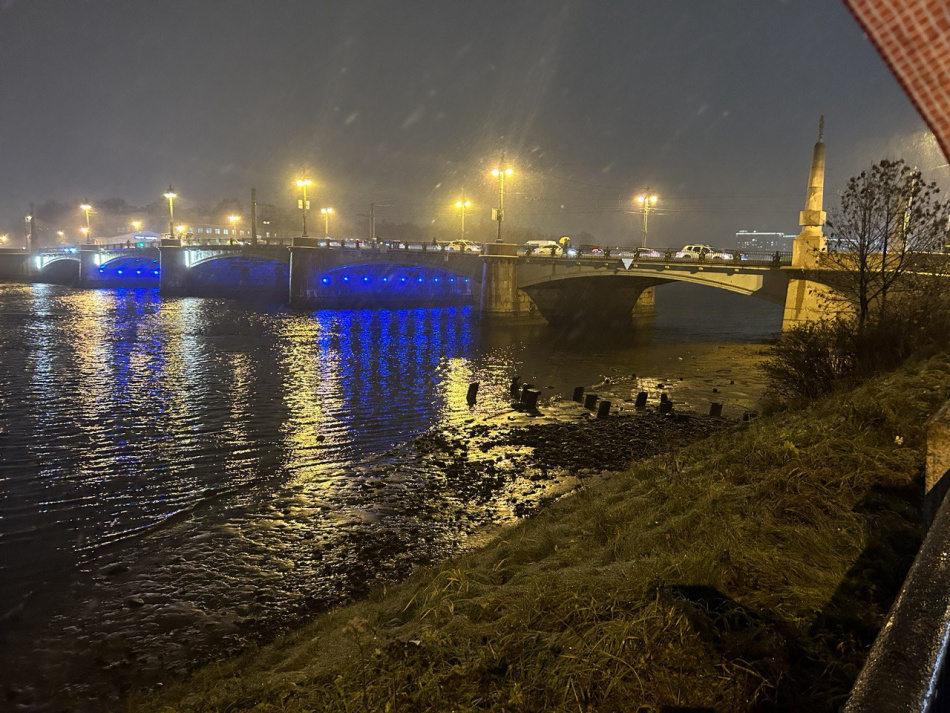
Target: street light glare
85	206
303	182
326	210
170	195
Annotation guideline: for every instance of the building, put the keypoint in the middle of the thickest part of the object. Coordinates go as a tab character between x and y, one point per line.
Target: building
754	241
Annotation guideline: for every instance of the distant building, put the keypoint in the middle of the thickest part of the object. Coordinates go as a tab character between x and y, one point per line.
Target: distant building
754	241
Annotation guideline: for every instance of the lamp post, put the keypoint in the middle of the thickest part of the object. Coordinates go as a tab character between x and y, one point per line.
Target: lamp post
500	173
136	224
234	221
171	196
29	229
85	208
303	204
326	220
462	205
647	201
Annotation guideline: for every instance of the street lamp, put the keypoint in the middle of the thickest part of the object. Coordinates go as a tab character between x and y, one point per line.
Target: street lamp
171	196
499	214
61	234
4	238
326	220
136	224
304	205
647	201
462	205
234	221
85	208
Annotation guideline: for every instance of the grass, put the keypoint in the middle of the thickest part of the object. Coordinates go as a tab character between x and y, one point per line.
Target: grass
750	571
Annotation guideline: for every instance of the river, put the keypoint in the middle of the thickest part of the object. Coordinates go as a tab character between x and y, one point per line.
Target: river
180	476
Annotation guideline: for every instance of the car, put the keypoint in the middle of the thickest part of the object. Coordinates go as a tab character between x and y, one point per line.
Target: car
590	250
543	247
463	246
695	252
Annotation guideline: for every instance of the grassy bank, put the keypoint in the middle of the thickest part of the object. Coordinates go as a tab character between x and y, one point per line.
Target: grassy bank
749	571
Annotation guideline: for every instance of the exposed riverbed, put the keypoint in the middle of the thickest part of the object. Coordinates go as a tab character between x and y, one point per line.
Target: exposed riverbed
183	476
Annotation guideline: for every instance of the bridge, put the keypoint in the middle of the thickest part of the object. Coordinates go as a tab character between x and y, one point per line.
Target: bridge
311	273
503	283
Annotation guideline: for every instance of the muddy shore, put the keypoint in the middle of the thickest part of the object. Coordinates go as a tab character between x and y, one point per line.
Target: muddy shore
139	625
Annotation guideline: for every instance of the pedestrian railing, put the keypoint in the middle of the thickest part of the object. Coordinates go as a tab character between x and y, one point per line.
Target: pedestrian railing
906	669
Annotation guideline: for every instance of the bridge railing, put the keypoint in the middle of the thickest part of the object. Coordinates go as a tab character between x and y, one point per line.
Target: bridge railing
647	254
906	670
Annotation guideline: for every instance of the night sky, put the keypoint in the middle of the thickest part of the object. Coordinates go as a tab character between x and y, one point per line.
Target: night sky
714	105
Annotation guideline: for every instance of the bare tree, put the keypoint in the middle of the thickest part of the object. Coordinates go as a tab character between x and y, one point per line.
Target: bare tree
885	236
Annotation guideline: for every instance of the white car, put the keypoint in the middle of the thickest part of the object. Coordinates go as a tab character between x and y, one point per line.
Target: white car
695	252
548	248
464	246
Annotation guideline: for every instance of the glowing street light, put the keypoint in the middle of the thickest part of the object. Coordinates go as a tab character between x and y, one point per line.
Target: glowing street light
171	196
136	224
647	201
234	221
85	231
61	234
85	208
500	174
304	204
326	220
4	238
181	229
462	205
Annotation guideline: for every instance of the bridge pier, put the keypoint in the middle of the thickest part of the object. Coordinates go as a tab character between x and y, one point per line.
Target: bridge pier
15	264
304	256
499	293
646	304
173	275
88	265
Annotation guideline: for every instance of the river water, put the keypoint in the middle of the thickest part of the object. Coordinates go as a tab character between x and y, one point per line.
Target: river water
178	476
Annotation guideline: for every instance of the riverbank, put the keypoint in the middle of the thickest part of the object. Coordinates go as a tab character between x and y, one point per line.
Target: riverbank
749	570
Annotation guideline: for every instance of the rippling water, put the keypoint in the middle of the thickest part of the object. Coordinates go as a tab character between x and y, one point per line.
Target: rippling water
174	467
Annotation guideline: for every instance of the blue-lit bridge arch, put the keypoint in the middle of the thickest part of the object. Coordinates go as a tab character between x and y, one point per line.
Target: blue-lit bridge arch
379	283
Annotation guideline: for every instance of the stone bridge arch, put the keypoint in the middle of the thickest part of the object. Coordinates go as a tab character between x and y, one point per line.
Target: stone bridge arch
607	291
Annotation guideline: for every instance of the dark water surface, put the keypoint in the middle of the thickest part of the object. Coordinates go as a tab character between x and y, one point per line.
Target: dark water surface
179	475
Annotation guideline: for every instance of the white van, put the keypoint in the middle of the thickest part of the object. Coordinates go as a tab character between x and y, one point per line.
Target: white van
549	248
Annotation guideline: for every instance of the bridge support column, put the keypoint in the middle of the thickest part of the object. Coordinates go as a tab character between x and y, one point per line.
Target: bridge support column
499	295
646	303
303	257
16	264
806	301
173	270
88	265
